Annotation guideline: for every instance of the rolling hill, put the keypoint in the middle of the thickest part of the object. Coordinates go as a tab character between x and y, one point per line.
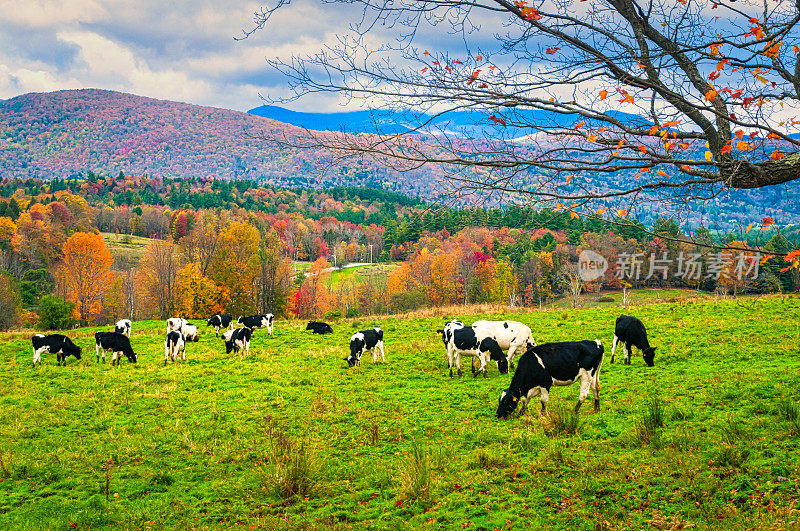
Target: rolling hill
64	133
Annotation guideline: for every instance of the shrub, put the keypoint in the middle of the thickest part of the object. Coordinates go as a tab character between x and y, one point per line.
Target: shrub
55	313
647	429
333	314
352	312
415	478
293	470
605	299
562	421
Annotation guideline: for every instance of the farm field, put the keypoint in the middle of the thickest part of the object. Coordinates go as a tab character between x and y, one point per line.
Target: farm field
708	437
125	247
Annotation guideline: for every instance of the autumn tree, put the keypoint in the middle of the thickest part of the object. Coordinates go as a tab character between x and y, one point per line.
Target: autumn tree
658	99
235	266
273	280
84	274
198	296
158	274
314	296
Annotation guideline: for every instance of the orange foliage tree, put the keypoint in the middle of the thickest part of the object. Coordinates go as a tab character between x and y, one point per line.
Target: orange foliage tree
84	274
314	298
198	296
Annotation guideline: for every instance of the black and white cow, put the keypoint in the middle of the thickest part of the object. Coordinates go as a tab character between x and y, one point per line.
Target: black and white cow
123	326
223	320
57	344
465	341
317	327
237	340
190	332
257	321
115	342
174	344
544	366
630	331
176	323
512	336
365	341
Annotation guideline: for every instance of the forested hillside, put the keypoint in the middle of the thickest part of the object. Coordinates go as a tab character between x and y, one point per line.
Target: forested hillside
233	245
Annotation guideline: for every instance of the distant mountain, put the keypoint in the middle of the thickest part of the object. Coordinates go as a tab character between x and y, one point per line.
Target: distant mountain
64	133
59	134
465	123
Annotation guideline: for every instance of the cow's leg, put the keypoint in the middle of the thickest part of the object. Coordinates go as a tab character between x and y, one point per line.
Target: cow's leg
97	352
457	359
450	360
545	396
628	348
37	357
512	351
596	390
525	399
58	359
183	352
614	347
383	353
586	381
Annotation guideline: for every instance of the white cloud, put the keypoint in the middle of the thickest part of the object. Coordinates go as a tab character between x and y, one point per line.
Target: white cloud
45	13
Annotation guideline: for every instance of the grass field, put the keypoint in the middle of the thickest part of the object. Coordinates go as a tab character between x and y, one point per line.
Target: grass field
289	438
125	247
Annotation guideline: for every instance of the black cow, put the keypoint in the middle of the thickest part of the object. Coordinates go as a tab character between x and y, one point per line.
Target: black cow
544	366
468	341
257	321
57	344
220	321
117	343
237	339
361	342
317	327
630	331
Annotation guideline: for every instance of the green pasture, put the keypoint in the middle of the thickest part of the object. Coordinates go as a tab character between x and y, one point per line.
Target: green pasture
288	438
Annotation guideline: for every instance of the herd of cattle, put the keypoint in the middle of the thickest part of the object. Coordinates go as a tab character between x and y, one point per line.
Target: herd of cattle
540	367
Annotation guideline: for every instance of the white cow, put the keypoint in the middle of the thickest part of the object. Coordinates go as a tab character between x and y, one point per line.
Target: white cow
175	324
123	326
512	336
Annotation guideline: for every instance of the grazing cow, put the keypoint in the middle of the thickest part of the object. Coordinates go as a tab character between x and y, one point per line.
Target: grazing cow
510	335
123	326
630	331
175	323
237	340
173	345
364	341
317	327
544	366
220	321
57	344
465	341
115	342
189	332
257	321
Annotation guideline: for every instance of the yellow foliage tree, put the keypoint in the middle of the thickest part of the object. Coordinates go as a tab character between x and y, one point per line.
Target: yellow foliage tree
84	274
198	296
445	280
235	266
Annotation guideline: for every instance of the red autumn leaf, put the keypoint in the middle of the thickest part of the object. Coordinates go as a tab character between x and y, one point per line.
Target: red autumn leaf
643	149
483	85
767	221
662	173
497	120
713	75
776	155
479	58
424	69
457	62
711	95
580	124
726	148
426	52
603	94
551	51
672	123
773	136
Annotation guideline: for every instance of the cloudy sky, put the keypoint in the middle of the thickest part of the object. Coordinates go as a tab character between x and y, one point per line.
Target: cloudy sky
178	50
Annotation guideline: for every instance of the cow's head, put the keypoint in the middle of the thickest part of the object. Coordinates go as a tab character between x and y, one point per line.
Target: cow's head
210	321
310	325
131	355
649	356
507	404
73	350
357	344
239	320
495	353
